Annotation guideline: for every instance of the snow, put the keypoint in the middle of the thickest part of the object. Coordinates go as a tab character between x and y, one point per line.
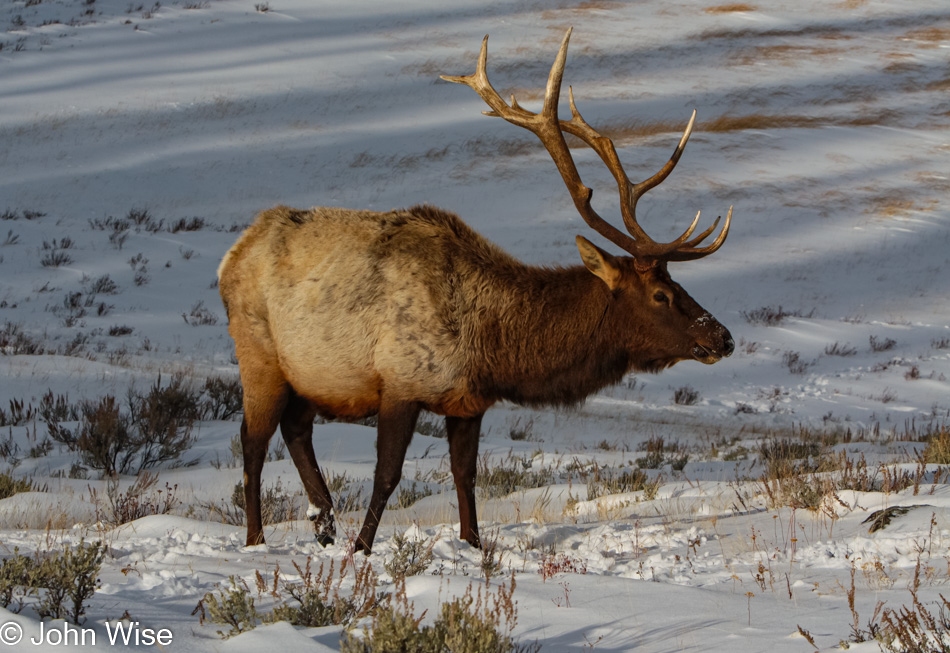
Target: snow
838	167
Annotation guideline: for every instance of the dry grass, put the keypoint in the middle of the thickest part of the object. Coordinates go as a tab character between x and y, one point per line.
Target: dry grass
730	8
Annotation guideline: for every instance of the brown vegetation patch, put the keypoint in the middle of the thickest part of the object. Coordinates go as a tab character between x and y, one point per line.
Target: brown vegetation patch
784	53
760	121
523	94
730	8
902	67
580	7
834	35
634	129
897	203
931	36
940	85
595	5
765	121
821	31
936	181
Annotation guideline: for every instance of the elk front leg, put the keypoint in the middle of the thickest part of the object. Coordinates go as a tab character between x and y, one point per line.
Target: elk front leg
296	426
393	434
463	452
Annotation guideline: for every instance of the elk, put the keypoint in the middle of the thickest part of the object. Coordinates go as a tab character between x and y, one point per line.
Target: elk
346	313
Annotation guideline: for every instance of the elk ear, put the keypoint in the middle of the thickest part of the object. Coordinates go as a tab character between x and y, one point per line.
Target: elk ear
599	262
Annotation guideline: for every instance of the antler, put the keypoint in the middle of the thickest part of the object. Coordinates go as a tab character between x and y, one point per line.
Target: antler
550	130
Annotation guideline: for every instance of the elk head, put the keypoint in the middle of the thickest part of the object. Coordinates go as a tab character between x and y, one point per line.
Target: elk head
675	326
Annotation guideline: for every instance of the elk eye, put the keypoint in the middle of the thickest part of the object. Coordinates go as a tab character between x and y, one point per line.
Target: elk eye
661	298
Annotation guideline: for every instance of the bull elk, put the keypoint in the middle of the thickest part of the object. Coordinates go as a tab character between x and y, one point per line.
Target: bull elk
345	314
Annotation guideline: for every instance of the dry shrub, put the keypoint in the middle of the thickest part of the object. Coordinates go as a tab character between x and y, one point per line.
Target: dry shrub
412	556
104	437
855	474
316	600
313	601
686	396
223	398
510	475
163	419
473	623
773	315
790	477
878	345
909	629
277	506
660	453
156	428
57	585
840	350
10	486
938	446
915	629
560	563
603	482
142	499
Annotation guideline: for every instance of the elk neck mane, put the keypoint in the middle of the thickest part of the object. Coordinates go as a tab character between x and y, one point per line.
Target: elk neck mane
535	335
550	342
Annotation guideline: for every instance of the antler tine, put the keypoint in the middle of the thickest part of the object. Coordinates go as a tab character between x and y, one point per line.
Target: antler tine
646	246
552	92
689	251
639	189
604	147
701	237
550	130
679	242
546	126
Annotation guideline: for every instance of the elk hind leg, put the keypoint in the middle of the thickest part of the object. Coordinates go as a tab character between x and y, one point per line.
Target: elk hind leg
296	426
393	434
463	454
265	395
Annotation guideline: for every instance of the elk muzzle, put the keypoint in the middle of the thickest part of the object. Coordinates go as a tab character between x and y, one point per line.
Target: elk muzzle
713	341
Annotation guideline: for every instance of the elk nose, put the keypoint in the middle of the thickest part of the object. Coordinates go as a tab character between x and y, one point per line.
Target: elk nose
728	346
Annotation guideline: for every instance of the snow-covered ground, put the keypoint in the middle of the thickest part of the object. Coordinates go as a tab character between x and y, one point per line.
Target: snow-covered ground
826	124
